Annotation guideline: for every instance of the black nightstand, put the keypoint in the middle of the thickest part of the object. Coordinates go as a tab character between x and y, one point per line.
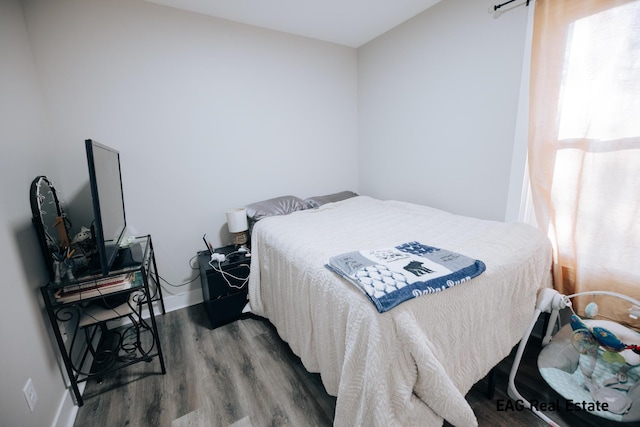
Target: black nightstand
222	284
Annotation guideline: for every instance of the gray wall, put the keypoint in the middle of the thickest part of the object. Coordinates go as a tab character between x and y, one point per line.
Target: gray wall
26	347
208	115
437	103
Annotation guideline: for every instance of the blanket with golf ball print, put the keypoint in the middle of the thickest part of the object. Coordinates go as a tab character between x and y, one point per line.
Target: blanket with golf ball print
394	275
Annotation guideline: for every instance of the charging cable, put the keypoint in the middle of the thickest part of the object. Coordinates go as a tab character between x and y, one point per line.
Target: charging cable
219	258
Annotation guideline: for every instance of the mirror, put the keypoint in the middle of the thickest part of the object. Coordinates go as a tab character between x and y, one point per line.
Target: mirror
52	226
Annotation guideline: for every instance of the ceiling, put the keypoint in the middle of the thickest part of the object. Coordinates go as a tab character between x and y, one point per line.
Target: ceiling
346	22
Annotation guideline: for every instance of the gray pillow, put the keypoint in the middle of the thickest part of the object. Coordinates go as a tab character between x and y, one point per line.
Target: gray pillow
277	206
317	201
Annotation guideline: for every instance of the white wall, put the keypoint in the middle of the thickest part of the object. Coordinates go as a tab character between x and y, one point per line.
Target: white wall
438	99
208	115
26	350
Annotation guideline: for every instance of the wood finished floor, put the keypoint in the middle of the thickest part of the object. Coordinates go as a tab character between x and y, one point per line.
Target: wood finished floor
243	375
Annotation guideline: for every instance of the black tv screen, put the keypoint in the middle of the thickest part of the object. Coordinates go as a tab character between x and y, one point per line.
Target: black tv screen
105	181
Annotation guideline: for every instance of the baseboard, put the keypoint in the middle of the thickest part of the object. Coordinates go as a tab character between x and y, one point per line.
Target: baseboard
187	299
67	410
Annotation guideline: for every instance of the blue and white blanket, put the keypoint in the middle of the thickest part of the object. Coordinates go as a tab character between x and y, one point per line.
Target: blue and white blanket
394	275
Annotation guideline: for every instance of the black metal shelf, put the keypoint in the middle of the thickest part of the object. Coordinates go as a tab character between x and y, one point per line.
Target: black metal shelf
106	327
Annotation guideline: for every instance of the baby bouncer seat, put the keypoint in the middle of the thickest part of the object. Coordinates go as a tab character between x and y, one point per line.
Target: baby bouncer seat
593	364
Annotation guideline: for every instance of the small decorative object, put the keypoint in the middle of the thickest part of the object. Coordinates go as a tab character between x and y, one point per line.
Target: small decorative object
83	242
83	235
127	241
63	269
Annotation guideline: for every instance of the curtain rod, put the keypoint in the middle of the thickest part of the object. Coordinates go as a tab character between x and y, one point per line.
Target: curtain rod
498	6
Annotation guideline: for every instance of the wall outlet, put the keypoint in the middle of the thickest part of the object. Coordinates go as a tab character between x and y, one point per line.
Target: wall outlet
30	394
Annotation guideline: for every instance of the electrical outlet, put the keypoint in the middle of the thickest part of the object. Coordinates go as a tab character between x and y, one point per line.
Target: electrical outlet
30	394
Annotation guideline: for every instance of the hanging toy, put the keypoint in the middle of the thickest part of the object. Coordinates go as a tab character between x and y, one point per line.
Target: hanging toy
608	340
591	310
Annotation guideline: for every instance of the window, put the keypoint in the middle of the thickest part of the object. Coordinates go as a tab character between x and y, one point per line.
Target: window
584	141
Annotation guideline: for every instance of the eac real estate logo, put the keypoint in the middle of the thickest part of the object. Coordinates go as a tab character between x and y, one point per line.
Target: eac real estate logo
508	405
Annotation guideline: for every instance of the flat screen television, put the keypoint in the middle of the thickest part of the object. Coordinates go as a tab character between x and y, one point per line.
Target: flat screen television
109	222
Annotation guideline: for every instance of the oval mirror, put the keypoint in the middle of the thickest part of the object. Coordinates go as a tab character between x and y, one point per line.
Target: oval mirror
49	220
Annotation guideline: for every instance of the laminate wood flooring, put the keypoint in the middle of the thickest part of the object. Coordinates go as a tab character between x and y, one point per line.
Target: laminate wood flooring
243	375
240	374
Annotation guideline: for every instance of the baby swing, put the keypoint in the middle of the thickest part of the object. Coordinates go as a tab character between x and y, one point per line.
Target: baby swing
593	364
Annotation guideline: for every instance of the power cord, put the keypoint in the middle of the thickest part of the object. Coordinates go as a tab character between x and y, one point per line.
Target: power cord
226	275
181	284
185	283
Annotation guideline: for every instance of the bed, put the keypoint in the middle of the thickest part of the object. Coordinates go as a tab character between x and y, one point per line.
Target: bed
413	364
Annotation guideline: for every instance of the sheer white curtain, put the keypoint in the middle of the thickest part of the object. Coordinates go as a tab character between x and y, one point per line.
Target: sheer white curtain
584	142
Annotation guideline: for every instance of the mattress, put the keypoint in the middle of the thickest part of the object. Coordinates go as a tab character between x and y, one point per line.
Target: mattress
413	364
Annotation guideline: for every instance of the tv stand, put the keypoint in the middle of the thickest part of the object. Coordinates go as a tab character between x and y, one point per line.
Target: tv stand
105	323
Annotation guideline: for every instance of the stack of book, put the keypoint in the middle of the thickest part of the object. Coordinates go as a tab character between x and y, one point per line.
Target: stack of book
95	288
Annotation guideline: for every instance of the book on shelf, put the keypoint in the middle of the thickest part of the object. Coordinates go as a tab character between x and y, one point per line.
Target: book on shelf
95	288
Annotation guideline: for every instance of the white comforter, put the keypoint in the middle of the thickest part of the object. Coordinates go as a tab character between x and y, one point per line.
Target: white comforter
413	364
